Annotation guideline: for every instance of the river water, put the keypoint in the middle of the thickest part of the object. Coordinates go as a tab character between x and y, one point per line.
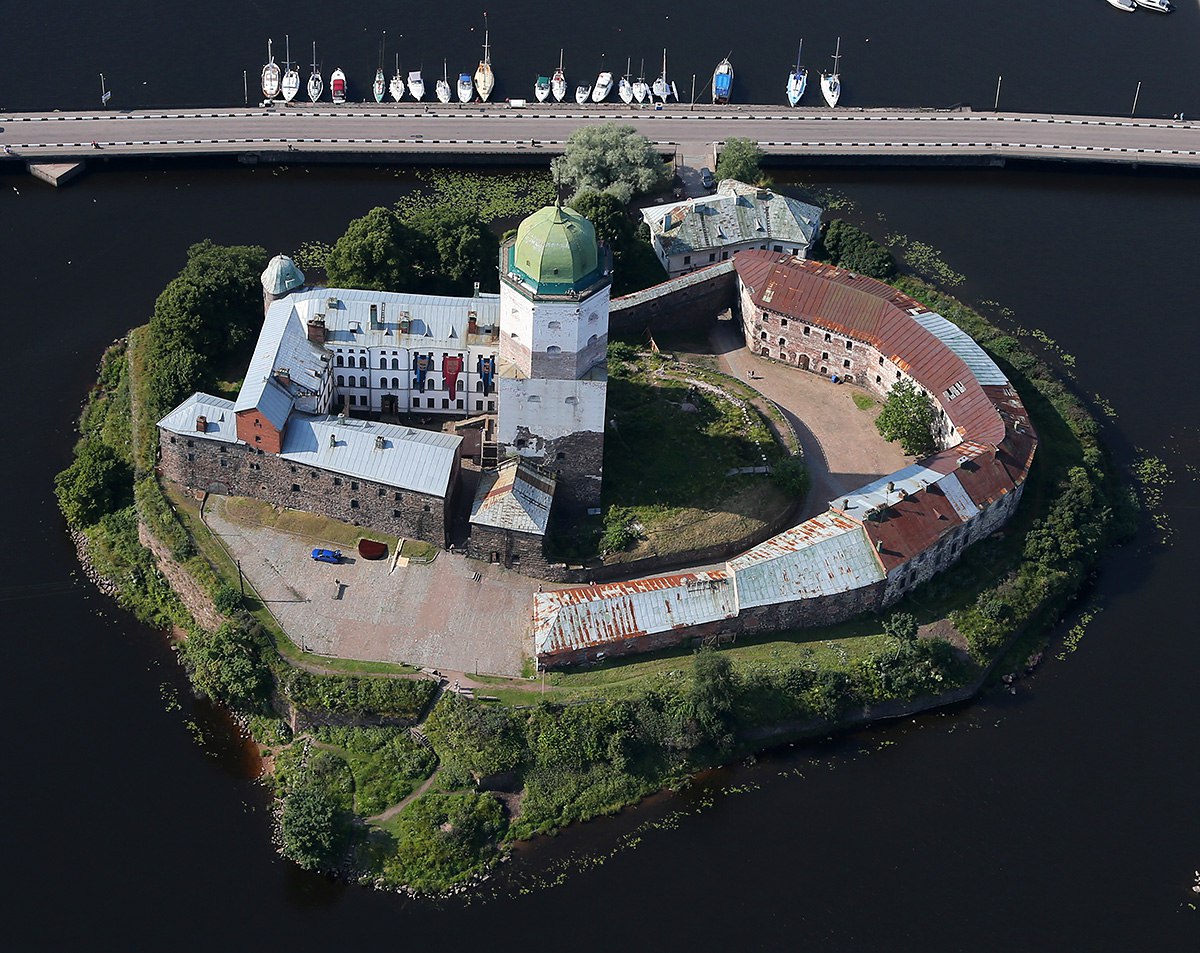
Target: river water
1063	817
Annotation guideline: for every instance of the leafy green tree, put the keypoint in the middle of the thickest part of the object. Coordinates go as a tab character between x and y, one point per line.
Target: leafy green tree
610	158
466	250
908	416
711	695
482	739
849	247
901	625
635	266
227	665
381	252
97	482
791	475
309	828
740	160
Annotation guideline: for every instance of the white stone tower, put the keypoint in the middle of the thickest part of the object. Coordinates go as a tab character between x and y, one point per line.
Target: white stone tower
554	299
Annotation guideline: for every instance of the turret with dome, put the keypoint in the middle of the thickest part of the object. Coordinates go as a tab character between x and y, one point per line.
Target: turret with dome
555	283
279	278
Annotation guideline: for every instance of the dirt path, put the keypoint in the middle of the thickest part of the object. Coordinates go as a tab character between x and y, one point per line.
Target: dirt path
397	808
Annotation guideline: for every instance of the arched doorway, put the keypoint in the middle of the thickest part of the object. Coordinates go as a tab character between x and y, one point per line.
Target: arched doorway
803	362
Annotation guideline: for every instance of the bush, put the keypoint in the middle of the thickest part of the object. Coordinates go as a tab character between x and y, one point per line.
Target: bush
740	159
444	839
227	599
229	666
482	739
851	248
97	482
901	625
791	475
310	832
401	698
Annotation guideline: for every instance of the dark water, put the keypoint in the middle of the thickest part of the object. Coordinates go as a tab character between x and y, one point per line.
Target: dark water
1062	818
1078	56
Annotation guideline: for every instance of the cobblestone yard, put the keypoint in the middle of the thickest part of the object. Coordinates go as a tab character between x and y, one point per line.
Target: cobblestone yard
433	615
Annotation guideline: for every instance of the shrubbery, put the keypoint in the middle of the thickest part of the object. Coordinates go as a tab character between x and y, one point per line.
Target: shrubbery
851	248
399	698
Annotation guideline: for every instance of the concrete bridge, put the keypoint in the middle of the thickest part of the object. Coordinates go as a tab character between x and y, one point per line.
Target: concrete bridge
409	133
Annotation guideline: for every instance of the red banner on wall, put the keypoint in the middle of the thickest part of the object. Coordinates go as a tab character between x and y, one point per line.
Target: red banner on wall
452	366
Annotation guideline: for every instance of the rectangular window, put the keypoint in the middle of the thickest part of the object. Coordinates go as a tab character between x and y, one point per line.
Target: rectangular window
354	504
807	331
491	406
445	403
846	363
295	487
783	322
382	492
397	497
712	256
849	345
353	485
687	259
459	404
337	481
479	405
395	514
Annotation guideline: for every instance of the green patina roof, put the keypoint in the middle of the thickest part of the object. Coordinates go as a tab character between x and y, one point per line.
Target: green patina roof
281	276
556	251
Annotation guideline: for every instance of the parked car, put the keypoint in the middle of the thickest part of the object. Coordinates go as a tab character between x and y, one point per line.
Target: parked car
327	555
707	180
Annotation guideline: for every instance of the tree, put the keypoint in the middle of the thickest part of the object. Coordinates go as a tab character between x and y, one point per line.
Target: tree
227	665
851	248
740	160
635	266
711	695
308	827
907	416
466	250
97	482
791	475
901	625
380	252
610	158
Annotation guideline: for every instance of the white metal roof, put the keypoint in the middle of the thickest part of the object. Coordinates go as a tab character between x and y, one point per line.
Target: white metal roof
417	460
958	497
825	555
910	479
220	421
282	345
962	344
435	321
514	497
597	615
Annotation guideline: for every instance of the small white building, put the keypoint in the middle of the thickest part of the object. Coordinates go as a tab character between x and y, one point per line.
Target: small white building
699	232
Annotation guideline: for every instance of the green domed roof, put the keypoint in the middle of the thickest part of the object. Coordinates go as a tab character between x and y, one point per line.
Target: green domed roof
281	276
556	251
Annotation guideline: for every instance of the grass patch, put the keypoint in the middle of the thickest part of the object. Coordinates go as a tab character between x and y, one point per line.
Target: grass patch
309	526
863	401
418	550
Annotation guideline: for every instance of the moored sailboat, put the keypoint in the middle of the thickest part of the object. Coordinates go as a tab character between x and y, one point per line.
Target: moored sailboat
291	75
484	80
663	87
271	75
640	89
315	84
831	83
625	87
396	85
722	82
558	82
442	88
797	79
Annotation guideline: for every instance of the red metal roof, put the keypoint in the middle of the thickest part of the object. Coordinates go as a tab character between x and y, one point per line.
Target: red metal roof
910	526
870	311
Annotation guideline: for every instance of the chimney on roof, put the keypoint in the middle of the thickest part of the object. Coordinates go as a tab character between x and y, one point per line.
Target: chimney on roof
284	376
472	322
201	424
379	442
316	329
332	440
375	325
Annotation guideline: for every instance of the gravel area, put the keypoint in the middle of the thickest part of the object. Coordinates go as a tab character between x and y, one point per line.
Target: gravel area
436	615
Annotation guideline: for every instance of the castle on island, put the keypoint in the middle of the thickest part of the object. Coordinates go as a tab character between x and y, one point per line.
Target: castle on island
363	405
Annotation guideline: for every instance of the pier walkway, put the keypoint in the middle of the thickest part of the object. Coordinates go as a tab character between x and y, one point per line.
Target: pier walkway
410	132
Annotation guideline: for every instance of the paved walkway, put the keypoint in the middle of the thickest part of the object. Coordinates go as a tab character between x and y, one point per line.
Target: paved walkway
435	615
842	448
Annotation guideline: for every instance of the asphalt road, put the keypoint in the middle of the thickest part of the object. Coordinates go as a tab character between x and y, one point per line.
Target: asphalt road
495	128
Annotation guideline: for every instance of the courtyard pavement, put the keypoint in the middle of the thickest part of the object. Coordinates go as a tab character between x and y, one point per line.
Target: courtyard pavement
432	615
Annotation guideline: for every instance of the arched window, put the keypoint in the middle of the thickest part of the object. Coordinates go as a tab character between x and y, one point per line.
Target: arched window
554	349
592	340
555	325
340	362
479	387
763	335
395	383
362	381
341	379
383	363
782	342
362	362
461	386
395	364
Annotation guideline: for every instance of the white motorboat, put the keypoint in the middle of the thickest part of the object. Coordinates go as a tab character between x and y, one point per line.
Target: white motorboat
443	86
466	89
1127	5
541	88
640	89
582	93
484	80
315	85
416	85
625	87
831	83
337	86
798	79
722	83
291	75
604	85
663	87
1158	6
271	75
558	82
396	85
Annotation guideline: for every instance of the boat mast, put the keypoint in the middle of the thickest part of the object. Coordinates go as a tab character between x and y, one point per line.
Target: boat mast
487	54
799	54
837	55
287	55
560	59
